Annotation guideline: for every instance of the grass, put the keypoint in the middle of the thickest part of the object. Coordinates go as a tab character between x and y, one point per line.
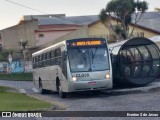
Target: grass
4	89
13	101
16	76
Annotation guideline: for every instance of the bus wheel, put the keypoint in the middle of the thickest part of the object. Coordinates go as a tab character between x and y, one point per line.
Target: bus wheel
42	91
61	94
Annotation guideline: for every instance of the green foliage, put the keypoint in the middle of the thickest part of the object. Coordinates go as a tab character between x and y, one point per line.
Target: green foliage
120	7
122	10
23	44
141	6
4	89
103	16
4	54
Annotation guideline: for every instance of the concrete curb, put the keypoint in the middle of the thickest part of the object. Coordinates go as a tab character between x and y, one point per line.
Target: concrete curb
122	91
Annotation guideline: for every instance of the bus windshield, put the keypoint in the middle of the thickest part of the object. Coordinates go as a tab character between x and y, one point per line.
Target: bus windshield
88	59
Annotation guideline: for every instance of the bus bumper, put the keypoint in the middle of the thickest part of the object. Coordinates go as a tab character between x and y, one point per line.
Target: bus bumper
89	85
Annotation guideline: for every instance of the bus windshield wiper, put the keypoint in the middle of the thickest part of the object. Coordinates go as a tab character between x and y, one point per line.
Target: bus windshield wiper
93	54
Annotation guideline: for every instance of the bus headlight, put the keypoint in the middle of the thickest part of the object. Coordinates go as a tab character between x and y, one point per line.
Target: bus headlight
74	78
107	76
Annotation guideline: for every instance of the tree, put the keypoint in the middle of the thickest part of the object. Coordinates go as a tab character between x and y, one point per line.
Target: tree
4	54
23	44
122	11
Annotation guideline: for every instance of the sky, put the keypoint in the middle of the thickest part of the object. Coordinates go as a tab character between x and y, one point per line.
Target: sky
10	13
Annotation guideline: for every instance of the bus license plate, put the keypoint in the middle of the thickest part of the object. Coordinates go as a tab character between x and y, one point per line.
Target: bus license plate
92	83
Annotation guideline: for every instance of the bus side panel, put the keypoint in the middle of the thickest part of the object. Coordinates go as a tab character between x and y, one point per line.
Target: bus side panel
35	79
45	77
53	75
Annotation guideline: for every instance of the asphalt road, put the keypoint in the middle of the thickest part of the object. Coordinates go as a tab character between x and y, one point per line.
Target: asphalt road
149	101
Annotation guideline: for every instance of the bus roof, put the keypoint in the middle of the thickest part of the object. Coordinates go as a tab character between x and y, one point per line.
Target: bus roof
49	48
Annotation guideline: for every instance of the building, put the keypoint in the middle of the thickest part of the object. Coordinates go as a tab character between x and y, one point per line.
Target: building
45	30
148	26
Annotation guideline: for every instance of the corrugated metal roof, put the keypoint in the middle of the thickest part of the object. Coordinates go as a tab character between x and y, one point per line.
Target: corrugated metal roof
78	20
83	20
149	20
53	20
149	15
150	23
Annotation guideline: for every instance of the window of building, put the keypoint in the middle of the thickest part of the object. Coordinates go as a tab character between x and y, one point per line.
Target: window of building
142	34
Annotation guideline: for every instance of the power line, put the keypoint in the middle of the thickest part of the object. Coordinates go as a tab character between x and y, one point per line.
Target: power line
36	10
40	11
26	6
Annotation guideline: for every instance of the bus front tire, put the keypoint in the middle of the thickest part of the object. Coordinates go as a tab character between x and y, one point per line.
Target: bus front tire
61	94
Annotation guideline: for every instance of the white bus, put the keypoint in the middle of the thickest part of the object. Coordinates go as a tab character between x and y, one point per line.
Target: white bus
73	65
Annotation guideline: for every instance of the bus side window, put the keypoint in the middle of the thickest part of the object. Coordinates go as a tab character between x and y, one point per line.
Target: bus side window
48	58
38	62
57	52
43	60
52	57
58	56
35	62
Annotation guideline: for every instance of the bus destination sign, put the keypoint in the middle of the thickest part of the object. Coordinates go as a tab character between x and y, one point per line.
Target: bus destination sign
86	43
